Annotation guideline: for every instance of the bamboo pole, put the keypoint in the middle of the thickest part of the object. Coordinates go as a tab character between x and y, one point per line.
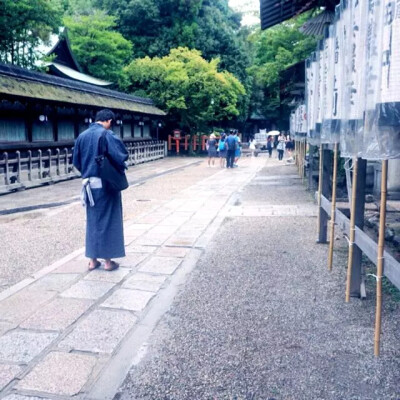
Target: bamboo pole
352	228
332	236
381	247
321	152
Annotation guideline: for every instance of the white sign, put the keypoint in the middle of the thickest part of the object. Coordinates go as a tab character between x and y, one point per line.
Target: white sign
390	78
373	51
310	83
357	60
329	56
338	66
320	82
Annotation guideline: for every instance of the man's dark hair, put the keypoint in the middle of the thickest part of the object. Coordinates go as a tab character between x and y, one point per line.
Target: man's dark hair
105	115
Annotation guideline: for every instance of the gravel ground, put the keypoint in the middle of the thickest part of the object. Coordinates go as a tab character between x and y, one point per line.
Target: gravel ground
261	318
33	240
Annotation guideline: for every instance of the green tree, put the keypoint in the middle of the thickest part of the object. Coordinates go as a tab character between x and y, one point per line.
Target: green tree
157	26
100	50
275	50
23	25
188	87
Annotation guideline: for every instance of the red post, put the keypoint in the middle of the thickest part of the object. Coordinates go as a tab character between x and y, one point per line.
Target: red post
169	142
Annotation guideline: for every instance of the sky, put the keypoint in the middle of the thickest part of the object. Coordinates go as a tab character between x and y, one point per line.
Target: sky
249	7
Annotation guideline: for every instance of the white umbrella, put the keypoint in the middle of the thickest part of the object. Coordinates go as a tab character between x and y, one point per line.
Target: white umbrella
273	133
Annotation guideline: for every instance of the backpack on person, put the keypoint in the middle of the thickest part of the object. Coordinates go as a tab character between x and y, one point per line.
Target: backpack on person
221	145
231	142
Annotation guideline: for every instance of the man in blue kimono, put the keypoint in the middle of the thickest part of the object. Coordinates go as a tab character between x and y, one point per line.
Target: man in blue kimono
104	226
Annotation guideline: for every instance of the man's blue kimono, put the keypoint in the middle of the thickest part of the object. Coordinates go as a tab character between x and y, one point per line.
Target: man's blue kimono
104	226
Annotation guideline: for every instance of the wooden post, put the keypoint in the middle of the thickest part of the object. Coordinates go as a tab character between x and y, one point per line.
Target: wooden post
381	247
326	176
357	277
310	167
320	188
352	227
332	235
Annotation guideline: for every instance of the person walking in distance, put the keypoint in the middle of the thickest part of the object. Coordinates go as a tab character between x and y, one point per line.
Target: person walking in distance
269	145
231	144
212	149
104	226
238	151
222	150
281	146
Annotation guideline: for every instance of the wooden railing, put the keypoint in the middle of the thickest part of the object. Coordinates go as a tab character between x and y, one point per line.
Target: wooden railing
29	168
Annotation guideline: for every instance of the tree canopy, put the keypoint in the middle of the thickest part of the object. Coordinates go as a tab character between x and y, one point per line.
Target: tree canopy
157	26
187	86
275	50
100	50
23	24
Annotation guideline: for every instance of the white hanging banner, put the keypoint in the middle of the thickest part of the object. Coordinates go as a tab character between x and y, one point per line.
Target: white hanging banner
329	57
390	78
338	65
327	85
387	122
357	62
309	95
302	119
372	53
320	82
292	124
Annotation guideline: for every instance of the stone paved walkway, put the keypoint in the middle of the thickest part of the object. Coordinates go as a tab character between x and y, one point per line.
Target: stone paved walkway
62	329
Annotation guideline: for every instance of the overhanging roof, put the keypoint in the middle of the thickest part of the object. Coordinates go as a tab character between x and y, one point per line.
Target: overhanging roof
63	62
273	12
19	82
69	73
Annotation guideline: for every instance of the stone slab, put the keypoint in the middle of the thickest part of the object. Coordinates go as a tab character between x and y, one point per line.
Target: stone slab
131	237
149	219
20	397
180	241
100	332
108	276
174	220
137	248
88	290
60	373
162	230
8	373
57	282
137	227
161	265
23	346
179	252
131	260
21	305
58	314
6	326
146	282
76	266
126	299
152	240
